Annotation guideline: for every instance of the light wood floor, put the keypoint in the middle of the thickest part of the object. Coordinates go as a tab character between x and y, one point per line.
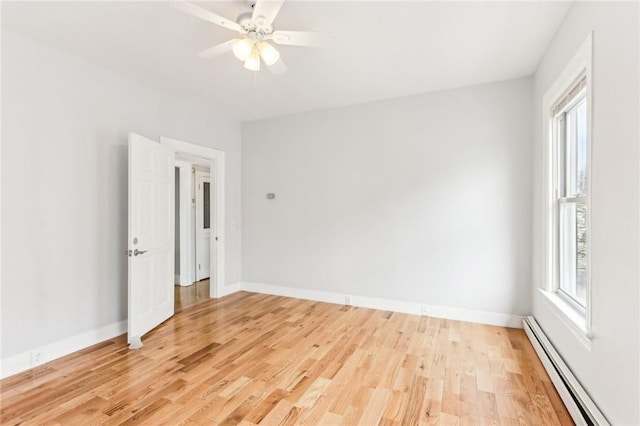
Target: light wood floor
191	295
250	358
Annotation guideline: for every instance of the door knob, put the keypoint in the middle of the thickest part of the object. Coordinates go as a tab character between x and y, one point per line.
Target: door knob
137	252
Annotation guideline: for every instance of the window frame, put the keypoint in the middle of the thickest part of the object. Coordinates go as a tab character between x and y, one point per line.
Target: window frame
579	67
561	193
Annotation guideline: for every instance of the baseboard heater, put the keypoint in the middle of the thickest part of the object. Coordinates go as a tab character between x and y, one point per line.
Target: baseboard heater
581	407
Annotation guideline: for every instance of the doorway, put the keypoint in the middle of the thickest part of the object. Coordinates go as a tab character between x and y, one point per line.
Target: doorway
194	226
208	165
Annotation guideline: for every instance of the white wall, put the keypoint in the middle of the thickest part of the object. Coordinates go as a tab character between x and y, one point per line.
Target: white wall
424	198
609	370
64	185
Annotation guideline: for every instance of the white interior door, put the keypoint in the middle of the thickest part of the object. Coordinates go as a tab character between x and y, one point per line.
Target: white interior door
203	225
150	236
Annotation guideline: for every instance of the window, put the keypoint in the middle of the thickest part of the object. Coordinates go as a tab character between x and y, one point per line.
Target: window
566	112
570	208
206	216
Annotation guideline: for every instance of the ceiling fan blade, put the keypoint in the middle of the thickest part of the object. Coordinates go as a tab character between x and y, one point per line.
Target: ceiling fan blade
277	68
299	38
202	13
219	49
268	9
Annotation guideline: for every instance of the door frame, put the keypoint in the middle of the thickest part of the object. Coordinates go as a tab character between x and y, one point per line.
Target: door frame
216	160
184	168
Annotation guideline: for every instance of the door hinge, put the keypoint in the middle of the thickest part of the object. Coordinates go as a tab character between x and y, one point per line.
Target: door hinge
199	267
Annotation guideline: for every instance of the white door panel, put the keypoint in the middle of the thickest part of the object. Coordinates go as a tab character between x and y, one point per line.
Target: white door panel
150	235
203	225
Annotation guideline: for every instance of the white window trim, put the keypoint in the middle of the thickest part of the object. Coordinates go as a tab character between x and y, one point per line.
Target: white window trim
580	64
572	318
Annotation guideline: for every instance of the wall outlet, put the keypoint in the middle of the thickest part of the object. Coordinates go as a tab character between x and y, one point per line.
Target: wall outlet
347	301
36	358
424	310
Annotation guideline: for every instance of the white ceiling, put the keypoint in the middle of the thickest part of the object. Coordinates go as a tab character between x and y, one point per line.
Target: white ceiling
378	50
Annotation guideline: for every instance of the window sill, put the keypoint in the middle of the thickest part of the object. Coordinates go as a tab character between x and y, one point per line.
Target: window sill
575	320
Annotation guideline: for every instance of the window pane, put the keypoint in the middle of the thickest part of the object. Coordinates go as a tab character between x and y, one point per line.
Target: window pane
573	250
205	195
576	150
581	149
581	252
568	250
569	155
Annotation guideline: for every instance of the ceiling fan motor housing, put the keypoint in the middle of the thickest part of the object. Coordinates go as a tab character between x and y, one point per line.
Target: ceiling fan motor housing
245	21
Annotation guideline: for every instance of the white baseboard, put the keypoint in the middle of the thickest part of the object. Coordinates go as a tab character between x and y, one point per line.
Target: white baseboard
182	280
447	312
229	289
22	362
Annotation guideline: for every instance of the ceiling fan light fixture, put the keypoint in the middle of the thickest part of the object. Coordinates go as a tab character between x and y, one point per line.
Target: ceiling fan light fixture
255	29
269	54
242	49
253	61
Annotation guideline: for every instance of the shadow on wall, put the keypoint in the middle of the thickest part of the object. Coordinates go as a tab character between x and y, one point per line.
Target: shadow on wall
112	222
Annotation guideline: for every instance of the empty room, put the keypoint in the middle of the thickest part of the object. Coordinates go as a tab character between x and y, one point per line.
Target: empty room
320	212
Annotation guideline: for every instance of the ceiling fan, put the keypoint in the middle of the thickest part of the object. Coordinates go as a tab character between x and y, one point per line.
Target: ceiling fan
256	30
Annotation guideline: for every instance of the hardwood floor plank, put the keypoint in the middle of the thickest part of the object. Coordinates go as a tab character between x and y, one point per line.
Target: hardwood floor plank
558	407
430	412
240	412
313	393
292	417
376	404
279	414
258	359
416	396
260	412
395	407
